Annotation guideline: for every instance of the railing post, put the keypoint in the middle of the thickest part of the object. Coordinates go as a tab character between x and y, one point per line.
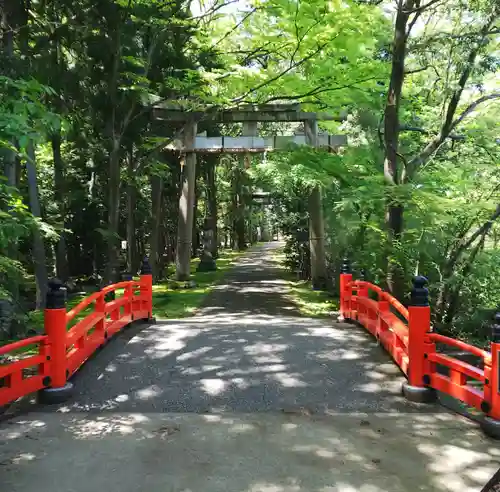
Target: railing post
100	327
419	326
360	307
147	288
128	294
345	291
59	388
491	404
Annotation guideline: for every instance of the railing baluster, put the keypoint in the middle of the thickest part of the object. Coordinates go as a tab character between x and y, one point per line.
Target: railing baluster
100	327
383	307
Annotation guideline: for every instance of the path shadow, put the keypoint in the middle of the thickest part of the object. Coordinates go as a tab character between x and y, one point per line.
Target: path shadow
242	453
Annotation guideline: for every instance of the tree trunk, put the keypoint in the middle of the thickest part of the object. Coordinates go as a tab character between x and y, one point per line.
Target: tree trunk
8	24
238	210
38	245
195	235
186	205
317	240
211	202
156	220
316	220
132	261
114	139
62	266
113	190
392	173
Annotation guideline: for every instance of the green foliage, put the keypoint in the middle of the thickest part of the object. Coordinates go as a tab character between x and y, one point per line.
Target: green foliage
80	79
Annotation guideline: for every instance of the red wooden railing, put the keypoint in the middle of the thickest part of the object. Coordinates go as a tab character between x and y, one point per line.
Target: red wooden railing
407	335
62	351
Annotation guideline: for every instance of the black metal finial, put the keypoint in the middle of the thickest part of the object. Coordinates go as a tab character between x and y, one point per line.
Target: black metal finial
146	267
362	274
495	329
346	266
56	295
419	293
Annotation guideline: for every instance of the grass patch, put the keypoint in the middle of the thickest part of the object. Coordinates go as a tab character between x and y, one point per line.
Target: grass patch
168	302
309	302
172	300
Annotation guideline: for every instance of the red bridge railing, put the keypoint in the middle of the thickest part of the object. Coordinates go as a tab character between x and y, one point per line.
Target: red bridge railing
406	333
61	351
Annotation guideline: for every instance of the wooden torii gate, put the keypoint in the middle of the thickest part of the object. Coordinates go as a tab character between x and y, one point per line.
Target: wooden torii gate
191	144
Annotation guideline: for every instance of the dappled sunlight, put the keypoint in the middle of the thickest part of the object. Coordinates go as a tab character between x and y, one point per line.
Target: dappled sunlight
213	386
244	452
246	396
243	363
289	380
149	393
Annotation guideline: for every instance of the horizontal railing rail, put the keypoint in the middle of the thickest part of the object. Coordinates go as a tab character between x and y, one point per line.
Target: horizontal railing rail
407	335
62	350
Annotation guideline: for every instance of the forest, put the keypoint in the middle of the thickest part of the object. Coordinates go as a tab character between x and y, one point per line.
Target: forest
89	186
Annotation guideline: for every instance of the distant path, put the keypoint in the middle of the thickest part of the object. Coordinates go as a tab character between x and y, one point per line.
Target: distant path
246	396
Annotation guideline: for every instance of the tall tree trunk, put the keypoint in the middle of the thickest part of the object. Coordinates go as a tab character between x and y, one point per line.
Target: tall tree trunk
38	245
131	203
62	266
114	137
317	240
186	205
156	221
196	239
211	202
8	23
392	172
238	210
113	190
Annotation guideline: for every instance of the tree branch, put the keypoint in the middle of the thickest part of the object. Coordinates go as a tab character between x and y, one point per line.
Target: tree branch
423	7
319	90
238	24
281	74
481	231
447	126
472	106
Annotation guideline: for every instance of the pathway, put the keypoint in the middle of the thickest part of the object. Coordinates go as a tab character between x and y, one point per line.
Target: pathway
247	396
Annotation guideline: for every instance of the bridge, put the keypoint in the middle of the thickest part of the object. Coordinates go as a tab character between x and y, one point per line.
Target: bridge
247	395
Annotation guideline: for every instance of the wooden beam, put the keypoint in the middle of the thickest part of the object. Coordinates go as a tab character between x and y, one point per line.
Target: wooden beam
256	144
241	115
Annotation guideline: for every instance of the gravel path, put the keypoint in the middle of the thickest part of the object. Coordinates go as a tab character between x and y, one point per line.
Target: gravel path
247	350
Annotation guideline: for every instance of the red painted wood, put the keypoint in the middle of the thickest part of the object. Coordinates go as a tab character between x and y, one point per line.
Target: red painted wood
467	394
457	366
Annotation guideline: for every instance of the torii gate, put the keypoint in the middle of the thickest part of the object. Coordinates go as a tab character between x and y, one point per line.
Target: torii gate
192	144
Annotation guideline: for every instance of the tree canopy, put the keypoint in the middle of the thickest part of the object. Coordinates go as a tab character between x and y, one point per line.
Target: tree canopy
89	187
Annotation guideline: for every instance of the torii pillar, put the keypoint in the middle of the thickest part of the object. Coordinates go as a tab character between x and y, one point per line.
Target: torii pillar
186	205
316	220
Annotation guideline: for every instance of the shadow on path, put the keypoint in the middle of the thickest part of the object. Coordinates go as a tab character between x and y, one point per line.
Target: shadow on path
246	396
247	350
